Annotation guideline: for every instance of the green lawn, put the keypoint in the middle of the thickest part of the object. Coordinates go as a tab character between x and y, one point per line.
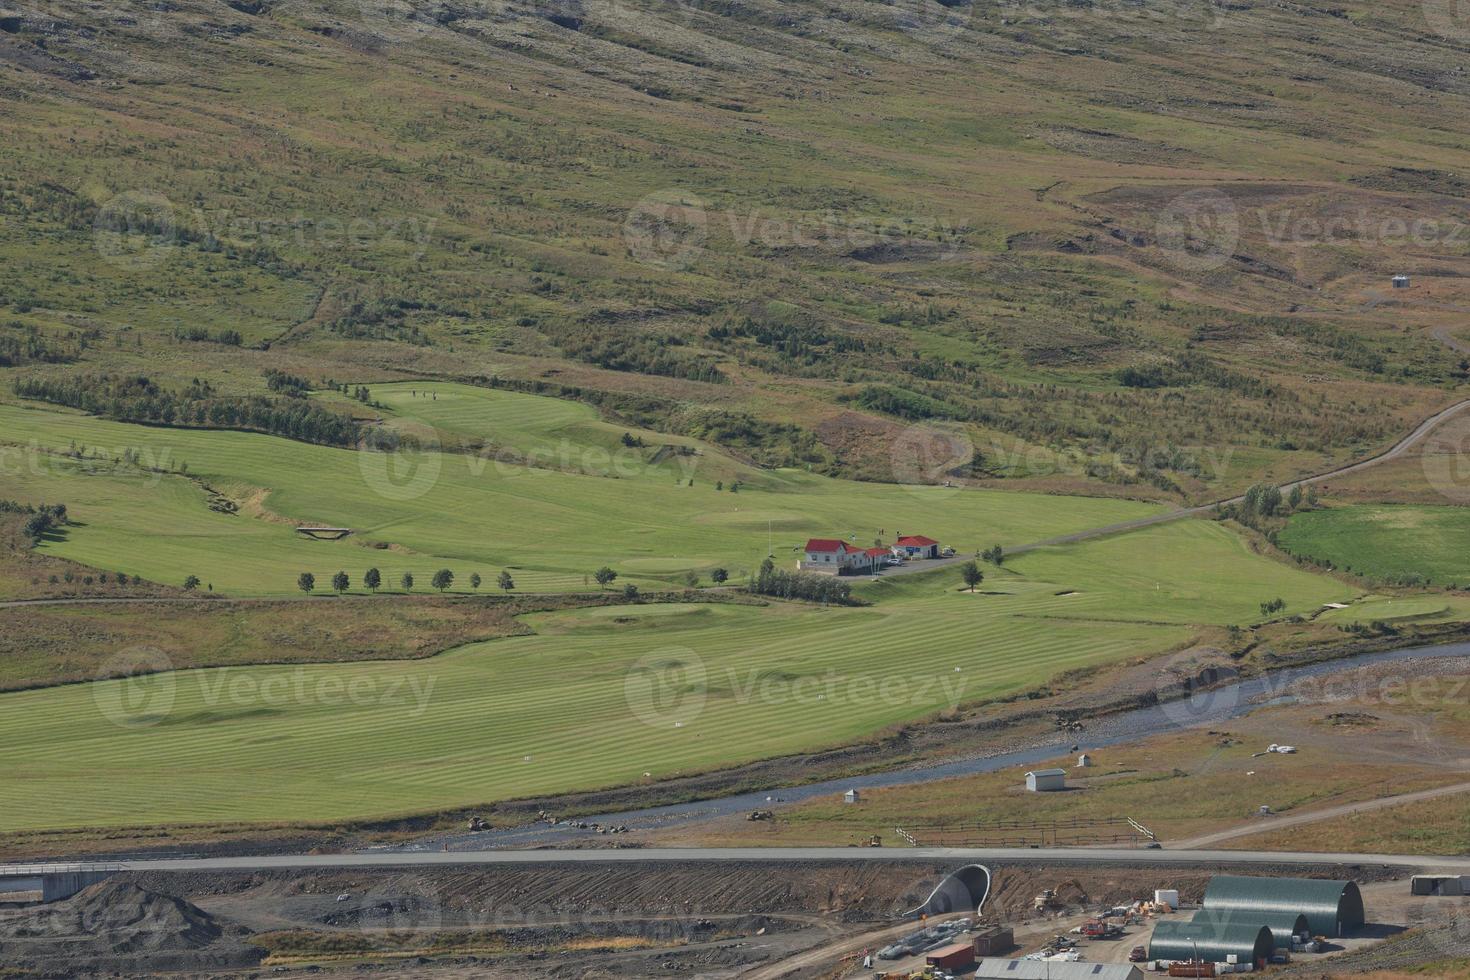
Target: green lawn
1187	572
429	510
599	697
1387	541
551	433
1401	609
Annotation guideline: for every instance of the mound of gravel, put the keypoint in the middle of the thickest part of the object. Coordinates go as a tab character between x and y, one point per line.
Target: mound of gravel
118	925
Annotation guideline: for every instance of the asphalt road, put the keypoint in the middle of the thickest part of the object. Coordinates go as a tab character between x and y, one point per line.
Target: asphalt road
955	855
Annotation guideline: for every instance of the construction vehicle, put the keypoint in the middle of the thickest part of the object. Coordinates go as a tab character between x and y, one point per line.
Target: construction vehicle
477	824
1100	929
873	841
1046	900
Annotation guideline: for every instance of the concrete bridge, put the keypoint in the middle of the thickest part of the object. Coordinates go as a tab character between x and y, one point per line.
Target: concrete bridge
52	881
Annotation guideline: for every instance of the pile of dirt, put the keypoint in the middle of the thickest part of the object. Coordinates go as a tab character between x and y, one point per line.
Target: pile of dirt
513	895
116	925
1013	894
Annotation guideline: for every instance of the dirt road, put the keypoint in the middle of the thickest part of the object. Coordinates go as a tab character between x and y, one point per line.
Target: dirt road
1394	452
1328	813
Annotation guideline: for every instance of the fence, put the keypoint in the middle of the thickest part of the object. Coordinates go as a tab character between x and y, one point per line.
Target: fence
1074	832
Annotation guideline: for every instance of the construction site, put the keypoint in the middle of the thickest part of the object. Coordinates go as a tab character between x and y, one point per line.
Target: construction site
1238	924
885	915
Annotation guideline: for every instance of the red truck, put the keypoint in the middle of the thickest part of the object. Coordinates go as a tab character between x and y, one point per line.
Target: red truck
1098	929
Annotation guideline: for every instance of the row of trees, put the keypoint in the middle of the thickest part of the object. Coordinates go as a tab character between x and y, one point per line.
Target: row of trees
782	584
444	579
372	579
71	578
136	398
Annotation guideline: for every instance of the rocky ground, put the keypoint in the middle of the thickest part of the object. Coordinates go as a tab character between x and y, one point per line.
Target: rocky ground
121	927
569	921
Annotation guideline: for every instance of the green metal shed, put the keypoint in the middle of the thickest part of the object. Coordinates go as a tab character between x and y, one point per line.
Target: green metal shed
1332	908
1214	942
1283	925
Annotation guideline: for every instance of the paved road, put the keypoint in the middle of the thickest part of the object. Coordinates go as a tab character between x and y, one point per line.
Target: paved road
955	855
1327	813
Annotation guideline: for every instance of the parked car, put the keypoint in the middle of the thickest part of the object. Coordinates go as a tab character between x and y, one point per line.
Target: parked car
1138	954
947	553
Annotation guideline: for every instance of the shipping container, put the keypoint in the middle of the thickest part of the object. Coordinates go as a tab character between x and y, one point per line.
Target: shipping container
952	957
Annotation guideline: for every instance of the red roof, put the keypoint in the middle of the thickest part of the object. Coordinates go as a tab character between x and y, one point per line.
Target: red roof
825	544
874	552
917	540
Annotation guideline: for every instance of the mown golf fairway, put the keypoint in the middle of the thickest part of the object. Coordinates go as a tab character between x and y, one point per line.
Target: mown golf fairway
468	513
598	697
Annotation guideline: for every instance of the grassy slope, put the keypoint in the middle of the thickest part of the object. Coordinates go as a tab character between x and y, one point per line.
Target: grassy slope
495	163
595	698
57	644
551	527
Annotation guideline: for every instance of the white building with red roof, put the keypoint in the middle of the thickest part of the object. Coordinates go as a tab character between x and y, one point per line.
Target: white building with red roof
835	557
916	546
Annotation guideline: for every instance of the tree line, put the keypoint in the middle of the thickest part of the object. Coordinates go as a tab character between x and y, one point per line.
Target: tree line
809	586
136	398
372	580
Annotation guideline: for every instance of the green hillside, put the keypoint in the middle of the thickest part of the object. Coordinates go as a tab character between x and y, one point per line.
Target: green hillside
1133	249
418	511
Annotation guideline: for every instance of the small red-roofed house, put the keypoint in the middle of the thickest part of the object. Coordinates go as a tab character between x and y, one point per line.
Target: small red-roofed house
916	546
834	556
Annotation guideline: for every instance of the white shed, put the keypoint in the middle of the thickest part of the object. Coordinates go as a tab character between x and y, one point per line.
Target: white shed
1046	780
851	796
1084	760
1400	282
